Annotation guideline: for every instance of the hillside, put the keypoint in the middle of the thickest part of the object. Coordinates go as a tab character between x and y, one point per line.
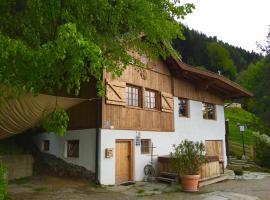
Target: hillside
208	52
239	115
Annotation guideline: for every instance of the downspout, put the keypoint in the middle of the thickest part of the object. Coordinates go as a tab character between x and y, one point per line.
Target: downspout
97	141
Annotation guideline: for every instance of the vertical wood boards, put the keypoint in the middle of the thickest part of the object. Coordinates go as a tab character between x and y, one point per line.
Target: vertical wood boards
187	90
123	157
158	78
214	148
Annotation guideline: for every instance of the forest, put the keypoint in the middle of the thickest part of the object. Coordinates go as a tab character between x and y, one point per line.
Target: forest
249	69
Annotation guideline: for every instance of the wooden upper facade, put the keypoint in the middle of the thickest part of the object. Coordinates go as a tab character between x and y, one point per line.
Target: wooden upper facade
143	99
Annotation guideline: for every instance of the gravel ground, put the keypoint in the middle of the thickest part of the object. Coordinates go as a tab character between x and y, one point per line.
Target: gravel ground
54	188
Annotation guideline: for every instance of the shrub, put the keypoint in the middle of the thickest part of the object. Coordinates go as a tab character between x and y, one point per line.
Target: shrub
188	157
3	182
262	149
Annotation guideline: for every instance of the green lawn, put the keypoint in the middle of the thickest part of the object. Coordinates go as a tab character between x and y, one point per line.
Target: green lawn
239	115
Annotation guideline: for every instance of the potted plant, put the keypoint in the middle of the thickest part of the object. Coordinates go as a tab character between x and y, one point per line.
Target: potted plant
187	159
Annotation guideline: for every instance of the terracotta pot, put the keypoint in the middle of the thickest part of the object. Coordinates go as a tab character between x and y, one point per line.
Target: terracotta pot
190	182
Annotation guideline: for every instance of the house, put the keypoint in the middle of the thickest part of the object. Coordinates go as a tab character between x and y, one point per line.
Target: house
168	102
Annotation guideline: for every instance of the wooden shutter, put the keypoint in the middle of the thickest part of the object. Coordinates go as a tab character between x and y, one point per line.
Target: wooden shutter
115	92
166	102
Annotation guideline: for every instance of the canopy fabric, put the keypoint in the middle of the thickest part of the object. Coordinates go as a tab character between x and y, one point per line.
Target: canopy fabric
20	114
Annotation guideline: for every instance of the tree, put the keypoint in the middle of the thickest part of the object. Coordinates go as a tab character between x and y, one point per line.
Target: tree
49	45
220	59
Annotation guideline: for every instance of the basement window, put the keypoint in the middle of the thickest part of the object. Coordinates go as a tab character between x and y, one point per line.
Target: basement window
73	148
209	111
46	145
145	146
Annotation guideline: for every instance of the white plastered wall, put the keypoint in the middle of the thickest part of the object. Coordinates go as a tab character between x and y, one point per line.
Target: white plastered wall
193	128
87	146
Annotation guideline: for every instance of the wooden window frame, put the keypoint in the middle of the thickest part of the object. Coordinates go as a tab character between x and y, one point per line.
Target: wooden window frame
157	99
146	149
186	105
46	145
74	155
139	96
205	105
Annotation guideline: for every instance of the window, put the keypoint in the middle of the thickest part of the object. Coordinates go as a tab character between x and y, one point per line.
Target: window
73	148
145	146
209	111
133	96
46	145
150	98
183	107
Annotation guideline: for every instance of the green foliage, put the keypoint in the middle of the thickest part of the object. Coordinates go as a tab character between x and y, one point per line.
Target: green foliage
249	120
56	121
3	182
262	149
188	157
220	59
256	79
47	46
238	172
194	51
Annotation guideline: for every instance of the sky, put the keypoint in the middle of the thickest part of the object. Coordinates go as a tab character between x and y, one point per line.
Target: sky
241	23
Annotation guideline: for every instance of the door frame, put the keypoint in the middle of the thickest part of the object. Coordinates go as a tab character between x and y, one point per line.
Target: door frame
131	142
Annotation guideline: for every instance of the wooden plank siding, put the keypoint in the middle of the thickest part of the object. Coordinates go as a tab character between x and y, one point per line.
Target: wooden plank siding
84	115
158	78
185	89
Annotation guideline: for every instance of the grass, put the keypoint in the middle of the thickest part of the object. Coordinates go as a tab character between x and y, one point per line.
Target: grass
239	115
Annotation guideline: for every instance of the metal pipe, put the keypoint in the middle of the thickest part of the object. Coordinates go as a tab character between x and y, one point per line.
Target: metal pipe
97	141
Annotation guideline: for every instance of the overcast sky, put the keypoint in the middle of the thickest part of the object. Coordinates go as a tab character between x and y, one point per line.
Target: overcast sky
238	22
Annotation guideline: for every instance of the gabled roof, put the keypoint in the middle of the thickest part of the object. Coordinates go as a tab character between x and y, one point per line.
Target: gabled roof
207	80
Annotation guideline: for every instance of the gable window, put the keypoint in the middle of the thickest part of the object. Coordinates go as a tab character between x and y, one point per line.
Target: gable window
46	145
145	146
133	96
73	148
183	107
151	99
209	111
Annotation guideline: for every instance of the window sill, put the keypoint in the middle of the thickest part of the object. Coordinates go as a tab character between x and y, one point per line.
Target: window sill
210	119
140	108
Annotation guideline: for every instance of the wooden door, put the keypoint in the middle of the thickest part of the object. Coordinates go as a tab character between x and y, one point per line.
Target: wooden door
123	161
214	148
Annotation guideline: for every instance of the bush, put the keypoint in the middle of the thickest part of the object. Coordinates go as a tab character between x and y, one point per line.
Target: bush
262	149
3	182
188	157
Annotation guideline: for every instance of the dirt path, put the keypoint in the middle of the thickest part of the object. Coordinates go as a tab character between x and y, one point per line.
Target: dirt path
53	188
